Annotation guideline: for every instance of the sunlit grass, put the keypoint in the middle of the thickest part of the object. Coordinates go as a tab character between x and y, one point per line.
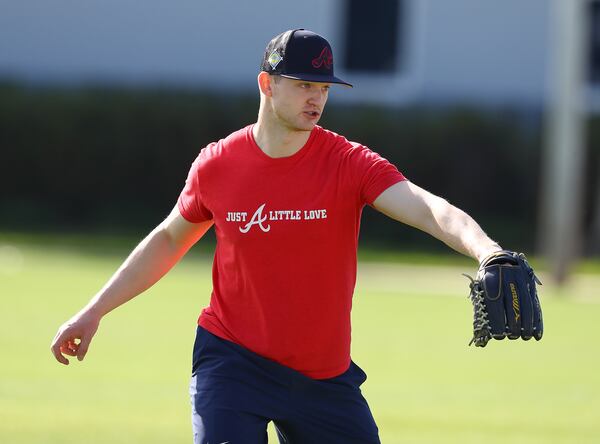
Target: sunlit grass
410	334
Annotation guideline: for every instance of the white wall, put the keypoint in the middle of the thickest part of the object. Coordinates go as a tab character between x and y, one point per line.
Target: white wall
482	50
153	40
494	50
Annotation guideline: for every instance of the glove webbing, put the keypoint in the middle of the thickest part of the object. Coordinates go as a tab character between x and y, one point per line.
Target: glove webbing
481	324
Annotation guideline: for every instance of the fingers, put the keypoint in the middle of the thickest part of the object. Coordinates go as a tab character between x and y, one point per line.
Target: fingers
74	337
70	348
57	349
67	351
64	344
82	347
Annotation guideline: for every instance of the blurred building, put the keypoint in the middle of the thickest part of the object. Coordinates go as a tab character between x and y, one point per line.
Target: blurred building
395	51
485	53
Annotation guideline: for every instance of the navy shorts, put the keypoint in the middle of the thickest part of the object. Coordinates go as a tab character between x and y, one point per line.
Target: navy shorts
235	393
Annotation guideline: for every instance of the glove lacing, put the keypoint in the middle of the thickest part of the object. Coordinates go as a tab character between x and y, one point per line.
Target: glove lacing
481	324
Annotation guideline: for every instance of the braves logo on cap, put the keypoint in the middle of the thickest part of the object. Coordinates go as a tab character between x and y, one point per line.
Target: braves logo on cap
325	58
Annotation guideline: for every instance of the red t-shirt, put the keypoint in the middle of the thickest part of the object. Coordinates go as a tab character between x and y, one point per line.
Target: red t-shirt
287	232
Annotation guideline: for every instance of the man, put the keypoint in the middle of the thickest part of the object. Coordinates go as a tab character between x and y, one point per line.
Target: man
285	197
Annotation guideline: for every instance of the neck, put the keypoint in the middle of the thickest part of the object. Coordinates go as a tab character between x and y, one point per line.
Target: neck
275	140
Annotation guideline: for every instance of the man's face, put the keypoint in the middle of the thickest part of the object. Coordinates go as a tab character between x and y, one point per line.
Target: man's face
298	104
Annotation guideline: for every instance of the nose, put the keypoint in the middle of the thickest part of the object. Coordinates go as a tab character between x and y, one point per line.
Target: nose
318	96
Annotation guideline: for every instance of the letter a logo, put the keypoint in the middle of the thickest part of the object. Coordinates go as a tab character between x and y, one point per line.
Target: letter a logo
325	58
257	219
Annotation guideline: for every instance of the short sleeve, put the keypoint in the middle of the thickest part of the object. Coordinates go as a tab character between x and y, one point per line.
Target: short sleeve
377	173
191	203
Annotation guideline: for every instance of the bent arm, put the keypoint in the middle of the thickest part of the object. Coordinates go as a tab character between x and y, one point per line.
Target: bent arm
149	261
146	264
414	206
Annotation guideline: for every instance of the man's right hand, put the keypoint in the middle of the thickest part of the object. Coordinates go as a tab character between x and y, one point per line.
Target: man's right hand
74	336
146	264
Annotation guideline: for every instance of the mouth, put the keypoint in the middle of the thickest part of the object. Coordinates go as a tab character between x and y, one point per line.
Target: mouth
312	114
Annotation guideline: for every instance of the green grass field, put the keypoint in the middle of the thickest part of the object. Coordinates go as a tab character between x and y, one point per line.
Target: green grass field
410	334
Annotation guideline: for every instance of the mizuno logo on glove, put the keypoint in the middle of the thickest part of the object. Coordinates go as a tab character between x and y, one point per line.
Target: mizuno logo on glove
515	301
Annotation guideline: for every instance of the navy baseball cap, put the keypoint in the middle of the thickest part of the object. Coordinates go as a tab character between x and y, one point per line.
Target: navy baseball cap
300	54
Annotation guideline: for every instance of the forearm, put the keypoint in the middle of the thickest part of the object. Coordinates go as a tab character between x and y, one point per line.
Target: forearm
414	206
459	231
146	264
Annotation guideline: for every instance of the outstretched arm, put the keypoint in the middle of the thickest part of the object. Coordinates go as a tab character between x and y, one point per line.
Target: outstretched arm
412	205
146	264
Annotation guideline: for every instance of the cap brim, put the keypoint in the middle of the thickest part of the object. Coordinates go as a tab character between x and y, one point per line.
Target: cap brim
317	78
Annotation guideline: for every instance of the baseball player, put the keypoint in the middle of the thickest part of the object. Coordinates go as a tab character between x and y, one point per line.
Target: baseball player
285	198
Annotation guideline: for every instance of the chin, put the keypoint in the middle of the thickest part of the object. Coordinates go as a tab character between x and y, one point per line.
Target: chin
300	127
307	126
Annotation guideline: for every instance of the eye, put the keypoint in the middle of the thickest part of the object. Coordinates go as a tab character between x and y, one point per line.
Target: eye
305	85
326	88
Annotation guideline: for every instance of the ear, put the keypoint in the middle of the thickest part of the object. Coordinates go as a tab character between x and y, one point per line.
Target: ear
265	83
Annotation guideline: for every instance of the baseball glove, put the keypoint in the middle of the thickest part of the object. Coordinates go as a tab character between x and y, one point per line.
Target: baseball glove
505	300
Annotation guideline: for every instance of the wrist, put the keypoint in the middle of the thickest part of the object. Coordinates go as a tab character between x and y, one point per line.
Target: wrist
485	252
91	311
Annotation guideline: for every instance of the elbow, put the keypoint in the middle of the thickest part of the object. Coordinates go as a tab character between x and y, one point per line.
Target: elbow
162	235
